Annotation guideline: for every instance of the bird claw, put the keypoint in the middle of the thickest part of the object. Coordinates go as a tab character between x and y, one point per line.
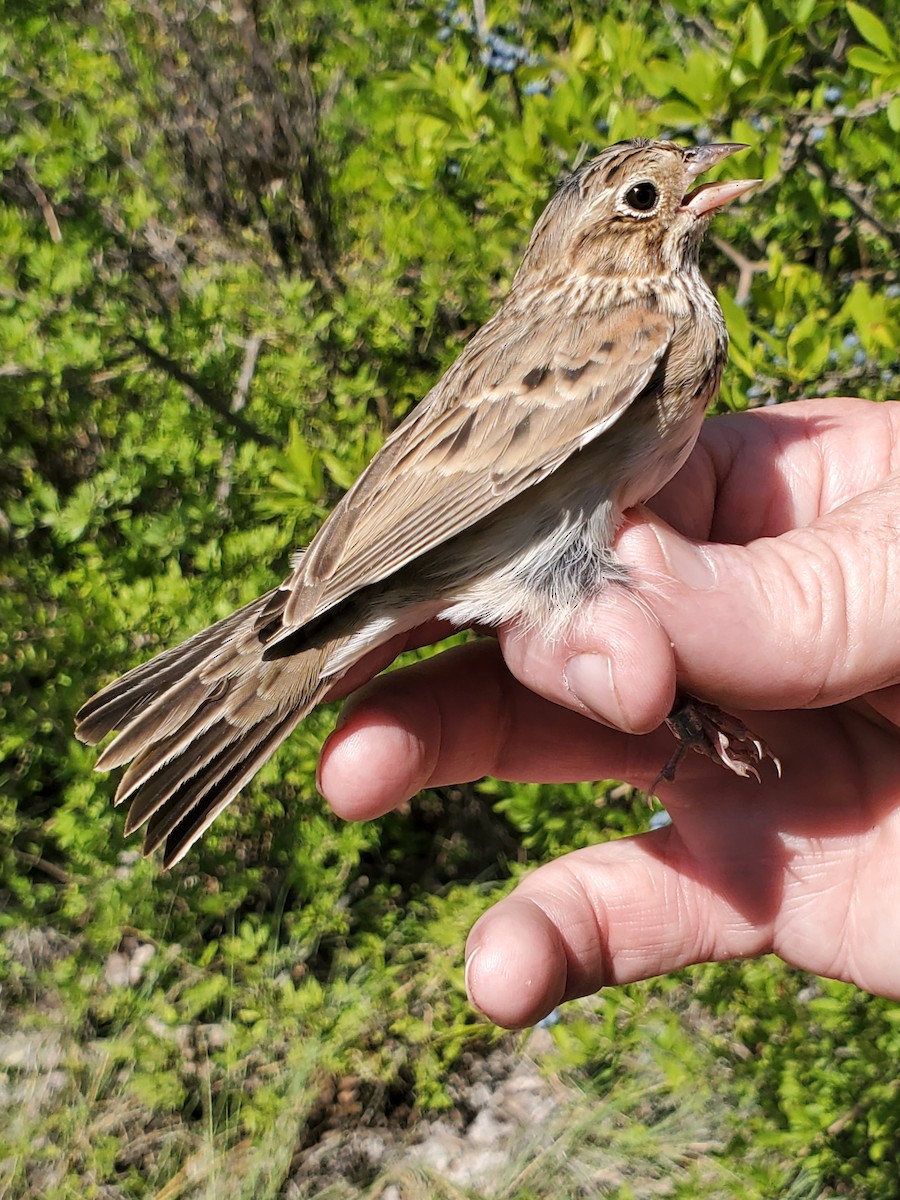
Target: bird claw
724	738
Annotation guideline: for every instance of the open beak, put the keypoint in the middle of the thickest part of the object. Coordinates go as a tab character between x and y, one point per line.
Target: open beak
708	197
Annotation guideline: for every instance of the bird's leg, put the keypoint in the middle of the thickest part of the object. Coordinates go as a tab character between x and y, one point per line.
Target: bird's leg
706	728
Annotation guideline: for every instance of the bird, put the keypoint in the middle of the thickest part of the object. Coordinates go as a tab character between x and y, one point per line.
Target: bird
497	497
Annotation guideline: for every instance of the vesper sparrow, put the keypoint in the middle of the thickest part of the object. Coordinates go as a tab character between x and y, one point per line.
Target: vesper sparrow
497	497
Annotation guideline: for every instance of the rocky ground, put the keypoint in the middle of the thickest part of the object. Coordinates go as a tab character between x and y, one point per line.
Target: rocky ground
502	1101
516	1126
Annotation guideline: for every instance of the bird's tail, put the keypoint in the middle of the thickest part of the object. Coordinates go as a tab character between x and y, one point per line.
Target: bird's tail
197	722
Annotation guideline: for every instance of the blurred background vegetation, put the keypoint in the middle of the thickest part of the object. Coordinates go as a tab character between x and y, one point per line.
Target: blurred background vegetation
239	241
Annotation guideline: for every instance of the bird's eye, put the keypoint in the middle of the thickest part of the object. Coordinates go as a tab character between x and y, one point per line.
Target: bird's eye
642	197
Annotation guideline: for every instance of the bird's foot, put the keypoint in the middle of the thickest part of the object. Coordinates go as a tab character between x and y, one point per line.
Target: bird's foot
706	728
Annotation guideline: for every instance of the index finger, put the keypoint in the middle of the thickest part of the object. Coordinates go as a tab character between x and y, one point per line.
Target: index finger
760	473
458	717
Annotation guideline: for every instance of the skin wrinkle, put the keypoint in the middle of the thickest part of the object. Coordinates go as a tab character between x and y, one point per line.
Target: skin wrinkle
891	445
599	961
852	936
679	925
627	952
699	937
861	589
848	965
699	940
419	752
706	931
507	720
803	915
719	927
501	724
835	852
819	446
728	475
825	626
878	943
858	594
847	475
781	513
803	596
775	441
635	765
866	782
794	476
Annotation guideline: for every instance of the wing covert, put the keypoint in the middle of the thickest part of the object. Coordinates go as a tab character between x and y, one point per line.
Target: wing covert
505	415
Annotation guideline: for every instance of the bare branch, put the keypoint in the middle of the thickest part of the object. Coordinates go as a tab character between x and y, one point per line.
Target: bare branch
251	354
42	201
481	22
200	391
747	268
855	193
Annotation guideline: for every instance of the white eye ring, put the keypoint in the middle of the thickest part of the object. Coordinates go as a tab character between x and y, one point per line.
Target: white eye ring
639	199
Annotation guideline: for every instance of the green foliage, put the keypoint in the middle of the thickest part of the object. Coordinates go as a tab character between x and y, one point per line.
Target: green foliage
236	250
816	1056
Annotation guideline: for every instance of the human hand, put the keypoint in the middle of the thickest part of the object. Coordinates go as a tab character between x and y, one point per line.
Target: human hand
785	603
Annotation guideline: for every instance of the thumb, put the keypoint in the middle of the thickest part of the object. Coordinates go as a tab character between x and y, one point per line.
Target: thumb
606	915
804	619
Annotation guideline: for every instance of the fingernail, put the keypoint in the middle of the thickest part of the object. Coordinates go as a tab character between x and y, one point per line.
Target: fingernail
338	726
469	961
591	679
690	563
687	562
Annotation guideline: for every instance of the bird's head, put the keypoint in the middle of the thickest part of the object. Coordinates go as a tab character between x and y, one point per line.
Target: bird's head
634	209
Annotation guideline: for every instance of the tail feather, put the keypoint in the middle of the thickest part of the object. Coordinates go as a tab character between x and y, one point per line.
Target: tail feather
180	823
192	805
193	753
234	683
184	751
198	722
116	705
187	703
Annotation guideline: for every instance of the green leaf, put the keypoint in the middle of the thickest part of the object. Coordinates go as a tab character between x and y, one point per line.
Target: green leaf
677	112
868	60
871	28
757	35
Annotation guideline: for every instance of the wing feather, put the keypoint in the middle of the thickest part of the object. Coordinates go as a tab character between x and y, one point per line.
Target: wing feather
507	414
